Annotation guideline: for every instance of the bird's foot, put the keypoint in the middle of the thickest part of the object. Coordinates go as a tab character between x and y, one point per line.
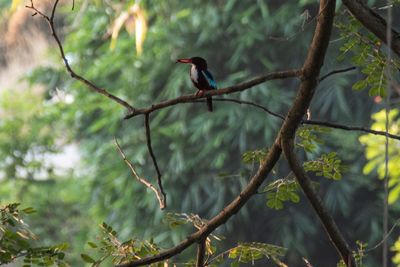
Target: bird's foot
200	93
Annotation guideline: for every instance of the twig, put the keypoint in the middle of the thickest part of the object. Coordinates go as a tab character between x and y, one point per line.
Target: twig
336	72
396	223
244	102
74	75
349	128
228	90
159	195
201	252
153	157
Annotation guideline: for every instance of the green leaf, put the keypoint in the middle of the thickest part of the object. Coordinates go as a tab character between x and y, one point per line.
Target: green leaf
92	245
87	258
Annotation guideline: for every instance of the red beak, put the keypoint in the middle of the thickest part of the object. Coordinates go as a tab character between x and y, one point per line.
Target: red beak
184	60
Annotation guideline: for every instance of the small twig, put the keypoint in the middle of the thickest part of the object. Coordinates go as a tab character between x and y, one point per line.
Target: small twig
153	157
74	75
397	222
201	252
73	4
244	102
336	72
159	195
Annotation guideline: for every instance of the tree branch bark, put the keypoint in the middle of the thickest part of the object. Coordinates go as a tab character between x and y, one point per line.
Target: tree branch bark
373	22
311	70
228	90
201	253
310	73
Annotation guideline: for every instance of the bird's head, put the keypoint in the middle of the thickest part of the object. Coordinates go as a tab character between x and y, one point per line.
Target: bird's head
199	62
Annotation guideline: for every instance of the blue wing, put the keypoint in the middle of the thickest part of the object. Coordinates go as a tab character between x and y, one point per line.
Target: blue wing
210	79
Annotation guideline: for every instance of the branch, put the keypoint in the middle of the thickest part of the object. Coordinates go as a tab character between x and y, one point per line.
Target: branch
309	73
159	195
231	209
373	22
309	122
201	253
311	69
153	157
74	75
336	72
349	128
228	90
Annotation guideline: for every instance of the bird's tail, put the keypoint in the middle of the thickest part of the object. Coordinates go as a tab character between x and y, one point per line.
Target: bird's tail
209	103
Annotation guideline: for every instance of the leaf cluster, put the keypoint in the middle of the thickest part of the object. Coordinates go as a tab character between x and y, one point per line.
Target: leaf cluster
328	165
281	190
250	252
367	53
16	241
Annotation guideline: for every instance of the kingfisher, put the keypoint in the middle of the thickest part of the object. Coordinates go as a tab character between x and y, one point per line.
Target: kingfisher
201	78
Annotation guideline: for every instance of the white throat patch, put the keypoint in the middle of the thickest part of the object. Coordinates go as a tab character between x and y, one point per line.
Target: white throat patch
194	74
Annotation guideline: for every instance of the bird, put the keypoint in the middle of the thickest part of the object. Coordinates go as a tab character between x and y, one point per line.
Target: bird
201	78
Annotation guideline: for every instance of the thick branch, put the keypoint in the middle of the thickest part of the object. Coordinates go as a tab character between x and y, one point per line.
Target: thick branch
311	69
228	90
373	22
160	196
153	157
50	21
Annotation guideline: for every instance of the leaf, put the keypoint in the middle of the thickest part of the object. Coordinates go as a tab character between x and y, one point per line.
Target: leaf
92	245
87	258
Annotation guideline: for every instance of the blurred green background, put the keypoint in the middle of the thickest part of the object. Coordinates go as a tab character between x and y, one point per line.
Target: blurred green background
56	136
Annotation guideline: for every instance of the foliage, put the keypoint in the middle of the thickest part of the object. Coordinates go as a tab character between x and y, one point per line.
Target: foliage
28	131
250	252
282	190
328	165
358	255
17	241
308	139
250	157
109	246
396	250
367	53
375	151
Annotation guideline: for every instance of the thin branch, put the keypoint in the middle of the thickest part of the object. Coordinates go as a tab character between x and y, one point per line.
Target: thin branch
159	195
384	239
309	122
350	128
153	157
228	90
74	75
373	22
201	253
244	102
336	72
